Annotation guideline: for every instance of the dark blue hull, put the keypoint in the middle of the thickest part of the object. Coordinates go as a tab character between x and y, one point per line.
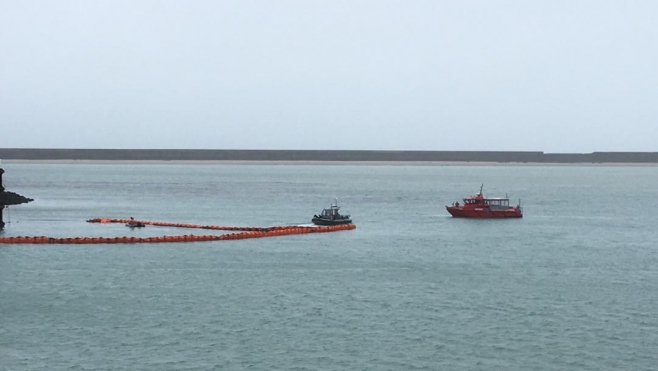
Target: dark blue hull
322	221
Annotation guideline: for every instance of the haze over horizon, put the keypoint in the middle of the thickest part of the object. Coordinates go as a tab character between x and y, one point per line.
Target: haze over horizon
553	76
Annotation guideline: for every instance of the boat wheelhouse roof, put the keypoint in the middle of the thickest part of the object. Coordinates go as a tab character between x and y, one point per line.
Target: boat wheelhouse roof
480	197
330	210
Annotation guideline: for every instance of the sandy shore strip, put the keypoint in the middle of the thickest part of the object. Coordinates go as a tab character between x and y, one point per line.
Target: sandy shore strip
321	163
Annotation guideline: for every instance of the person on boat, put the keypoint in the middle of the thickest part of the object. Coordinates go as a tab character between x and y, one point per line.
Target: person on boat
457	204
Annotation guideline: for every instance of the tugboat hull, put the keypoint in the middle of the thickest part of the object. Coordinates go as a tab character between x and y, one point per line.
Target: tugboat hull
460	212
320	221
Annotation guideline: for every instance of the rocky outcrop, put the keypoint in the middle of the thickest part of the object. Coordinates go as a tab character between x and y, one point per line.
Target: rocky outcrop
11	198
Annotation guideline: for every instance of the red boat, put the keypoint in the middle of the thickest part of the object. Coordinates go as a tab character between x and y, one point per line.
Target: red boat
479	206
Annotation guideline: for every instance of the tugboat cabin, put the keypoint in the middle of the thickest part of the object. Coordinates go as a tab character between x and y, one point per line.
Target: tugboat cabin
497	203
494	203
331	213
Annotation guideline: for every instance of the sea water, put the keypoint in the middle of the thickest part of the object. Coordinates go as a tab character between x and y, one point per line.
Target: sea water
571	286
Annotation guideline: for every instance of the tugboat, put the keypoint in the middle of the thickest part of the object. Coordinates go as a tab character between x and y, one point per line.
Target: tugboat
478	206
331	216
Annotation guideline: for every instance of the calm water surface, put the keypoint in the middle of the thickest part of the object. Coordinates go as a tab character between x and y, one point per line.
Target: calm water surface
571	286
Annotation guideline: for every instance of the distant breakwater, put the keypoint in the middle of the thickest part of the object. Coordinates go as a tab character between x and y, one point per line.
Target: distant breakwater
321	155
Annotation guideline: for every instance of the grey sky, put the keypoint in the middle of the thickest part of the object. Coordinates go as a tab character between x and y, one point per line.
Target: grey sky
557	76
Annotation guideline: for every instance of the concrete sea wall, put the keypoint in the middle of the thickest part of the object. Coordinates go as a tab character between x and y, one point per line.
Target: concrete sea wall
333	155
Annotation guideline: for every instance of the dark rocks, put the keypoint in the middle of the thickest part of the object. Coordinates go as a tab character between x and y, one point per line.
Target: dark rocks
11	198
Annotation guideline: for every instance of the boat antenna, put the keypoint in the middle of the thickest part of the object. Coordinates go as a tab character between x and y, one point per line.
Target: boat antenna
481	188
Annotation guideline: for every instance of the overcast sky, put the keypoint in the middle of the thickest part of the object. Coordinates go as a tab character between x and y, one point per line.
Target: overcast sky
554	76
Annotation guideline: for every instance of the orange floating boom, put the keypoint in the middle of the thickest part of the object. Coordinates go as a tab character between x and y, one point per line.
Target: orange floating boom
246	232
